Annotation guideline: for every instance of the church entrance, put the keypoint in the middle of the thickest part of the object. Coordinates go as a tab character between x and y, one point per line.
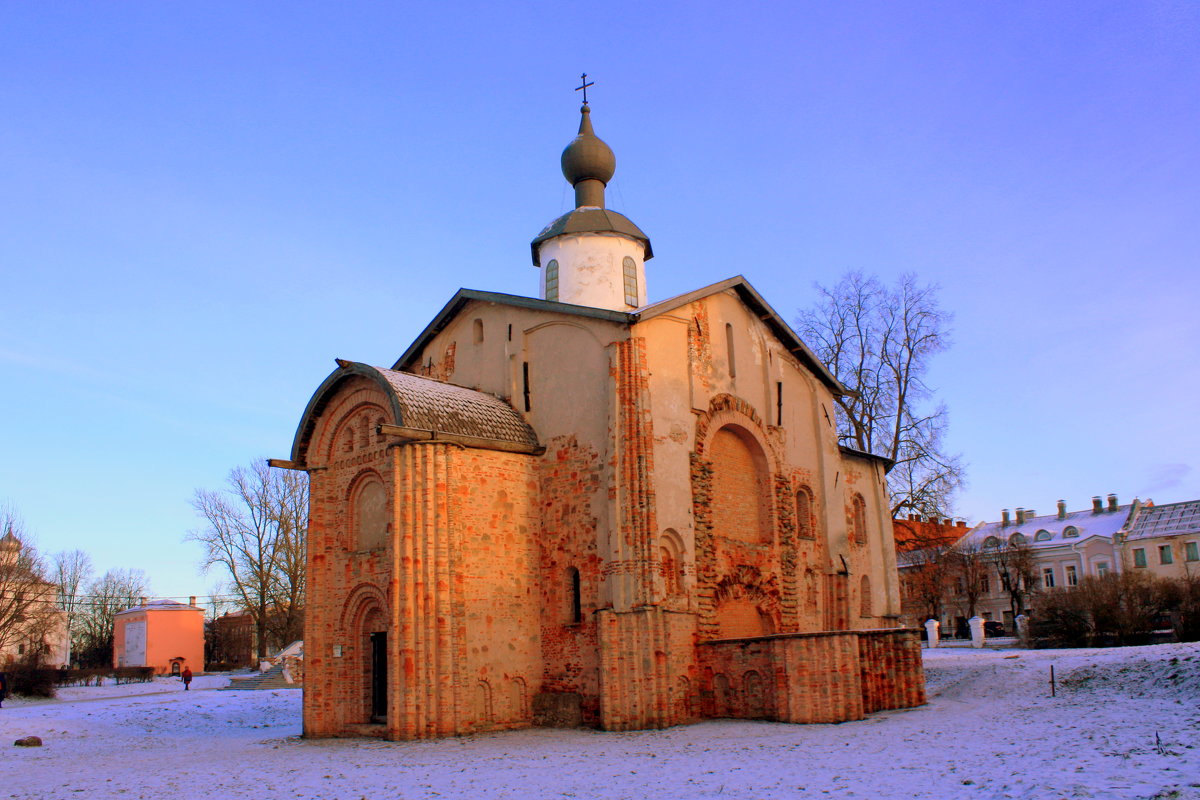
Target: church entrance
379	677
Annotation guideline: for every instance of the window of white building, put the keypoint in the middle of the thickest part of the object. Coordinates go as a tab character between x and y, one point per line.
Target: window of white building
1164	554
1048	577
1072	575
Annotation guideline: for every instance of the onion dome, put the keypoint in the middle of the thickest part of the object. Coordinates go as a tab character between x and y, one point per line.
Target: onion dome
588	163
587	157
10	543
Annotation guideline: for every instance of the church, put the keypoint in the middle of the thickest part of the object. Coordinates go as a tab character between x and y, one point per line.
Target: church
589	509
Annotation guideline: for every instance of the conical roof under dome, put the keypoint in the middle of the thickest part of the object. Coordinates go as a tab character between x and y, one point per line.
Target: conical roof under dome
589	164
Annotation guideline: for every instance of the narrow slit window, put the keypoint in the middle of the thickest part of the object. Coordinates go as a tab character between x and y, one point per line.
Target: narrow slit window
575	610
779	403
478	331
525	382
729	350
552	280
631	287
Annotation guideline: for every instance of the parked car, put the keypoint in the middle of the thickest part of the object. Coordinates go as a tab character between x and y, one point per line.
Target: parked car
993	628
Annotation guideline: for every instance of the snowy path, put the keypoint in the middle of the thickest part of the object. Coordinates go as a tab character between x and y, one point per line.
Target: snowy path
990	731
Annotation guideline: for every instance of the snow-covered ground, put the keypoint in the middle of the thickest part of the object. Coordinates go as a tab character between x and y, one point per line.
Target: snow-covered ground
1125	724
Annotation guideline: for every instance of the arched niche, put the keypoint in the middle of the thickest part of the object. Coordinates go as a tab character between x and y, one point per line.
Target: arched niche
671	563
806	517
858	520
352	426
741	618
740	495
369	517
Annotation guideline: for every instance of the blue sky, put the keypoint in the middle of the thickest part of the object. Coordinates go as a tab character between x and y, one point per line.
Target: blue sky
202	205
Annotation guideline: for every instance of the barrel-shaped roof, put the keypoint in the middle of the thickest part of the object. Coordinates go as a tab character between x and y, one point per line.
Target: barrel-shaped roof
423	404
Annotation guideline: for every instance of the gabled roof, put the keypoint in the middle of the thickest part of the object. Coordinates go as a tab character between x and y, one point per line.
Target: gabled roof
763	310
424	404
465	296
738	284
1171	519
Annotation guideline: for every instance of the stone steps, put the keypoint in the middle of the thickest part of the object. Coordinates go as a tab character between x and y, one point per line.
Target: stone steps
271	679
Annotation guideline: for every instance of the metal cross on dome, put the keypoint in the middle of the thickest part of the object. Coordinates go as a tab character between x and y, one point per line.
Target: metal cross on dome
584	79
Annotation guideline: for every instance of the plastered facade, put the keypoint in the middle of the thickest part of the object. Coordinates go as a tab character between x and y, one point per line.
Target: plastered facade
162	634
681	537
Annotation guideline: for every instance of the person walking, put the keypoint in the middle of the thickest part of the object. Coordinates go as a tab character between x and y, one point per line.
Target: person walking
187	678
3	687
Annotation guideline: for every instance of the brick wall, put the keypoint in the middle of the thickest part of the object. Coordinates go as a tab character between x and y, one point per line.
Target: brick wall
811	678
569	476
736	508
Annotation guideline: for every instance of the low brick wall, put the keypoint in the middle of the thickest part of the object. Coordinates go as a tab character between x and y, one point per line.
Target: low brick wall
831	676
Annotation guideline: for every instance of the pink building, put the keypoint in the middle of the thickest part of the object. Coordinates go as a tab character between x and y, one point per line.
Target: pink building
162	634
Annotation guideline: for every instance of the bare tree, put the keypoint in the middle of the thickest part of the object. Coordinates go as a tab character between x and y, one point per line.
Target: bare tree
879	342
255	532
71	571
27	599
929	578
972	567
1017	569
113	592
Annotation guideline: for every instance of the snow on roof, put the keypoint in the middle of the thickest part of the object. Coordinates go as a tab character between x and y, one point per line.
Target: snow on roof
161	605
1172	519
1050	531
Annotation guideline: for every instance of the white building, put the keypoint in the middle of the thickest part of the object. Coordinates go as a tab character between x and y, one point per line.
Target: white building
36	626
1065	546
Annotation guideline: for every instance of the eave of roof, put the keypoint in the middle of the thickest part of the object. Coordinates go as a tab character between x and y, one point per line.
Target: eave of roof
762	308
884	460
465	296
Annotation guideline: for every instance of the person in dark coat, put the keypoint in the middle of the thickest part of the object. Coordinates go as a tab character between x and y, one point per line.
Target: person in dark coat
187	678
3	687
